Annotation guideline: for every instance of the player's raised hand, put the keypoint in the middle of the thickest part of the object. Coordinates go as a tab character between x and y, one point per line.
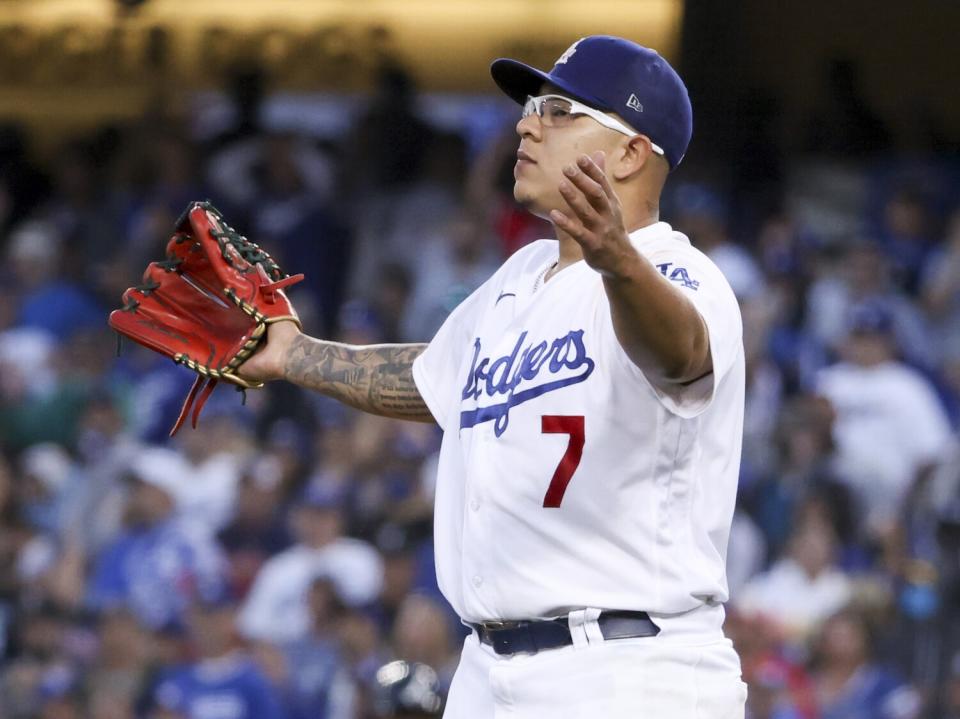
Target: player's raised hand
595	220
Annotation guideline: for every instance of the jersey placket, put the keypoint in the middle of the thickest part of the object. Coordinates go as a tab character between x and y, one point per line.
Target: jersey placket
479	575
479	571
486	543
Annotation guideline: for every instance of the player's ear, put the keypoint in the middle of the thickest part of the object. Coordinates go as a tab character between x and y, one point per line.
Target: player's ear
633	154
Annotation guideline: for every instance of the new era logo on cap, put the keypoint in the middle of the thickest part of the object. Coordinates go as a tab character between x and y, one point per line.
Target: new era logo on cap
633	102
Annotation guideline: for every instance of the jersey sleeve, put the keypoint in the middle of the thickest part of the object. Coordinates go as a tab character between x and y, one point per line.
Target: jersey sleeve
435	370
701	282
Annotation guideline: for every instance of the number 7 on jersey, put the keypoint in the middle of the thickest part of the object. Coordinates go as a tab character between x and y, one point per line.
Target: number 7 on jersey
573	426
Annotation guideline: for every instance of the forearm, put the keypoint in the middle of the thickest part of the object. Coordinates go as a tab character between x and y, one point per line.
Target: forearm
374	378
660	330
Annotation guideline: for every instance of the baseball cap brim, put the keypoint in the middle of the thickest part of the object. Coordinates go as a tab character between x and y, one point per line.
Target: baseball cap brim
519	81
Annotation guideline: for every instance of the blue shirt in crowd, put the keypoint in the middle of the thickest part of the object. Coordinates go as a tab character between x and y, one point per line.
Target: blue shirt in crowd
874	693
157	572
231	687
320	687
61	308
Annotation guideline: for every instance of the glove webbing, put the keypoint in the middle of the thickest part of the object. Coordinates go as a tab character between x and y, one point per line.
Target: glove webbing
249	251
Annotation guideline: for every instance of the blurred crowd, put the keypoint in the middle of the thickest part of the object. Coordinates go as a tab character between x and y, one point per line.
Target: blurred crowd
277	561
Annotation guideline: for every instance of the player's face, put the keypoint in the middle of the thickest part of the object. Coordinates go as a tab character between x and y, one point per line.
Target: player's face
544	151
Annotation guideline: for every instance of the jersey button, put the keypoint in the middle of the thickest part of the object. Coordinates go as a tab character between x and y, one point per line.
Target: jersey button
477	580
474	504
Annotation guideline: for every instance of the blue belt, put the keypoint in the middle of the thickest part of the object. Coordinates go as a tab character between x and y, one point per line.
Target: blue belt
538	634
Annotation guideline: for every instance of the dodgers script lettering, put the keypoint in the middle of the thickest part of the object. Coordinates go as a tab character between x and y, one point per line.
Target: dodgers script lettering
514	376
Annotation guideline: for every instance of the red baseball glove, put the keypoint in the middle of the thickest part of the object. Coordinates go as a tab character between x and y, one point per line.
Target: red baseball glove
207	306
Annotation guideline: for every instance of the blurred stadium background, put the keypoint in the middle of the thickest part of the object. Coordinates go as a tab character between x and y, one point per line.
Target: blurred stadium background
277	561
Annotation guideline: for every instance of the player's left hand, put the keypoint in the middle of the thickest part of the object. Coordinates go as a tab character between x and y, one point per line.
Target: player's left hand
595	221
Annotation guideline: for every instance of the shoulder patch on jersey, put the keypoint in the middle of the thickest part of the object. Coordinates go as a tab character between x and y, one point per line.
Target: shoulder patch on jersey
515	376
678	275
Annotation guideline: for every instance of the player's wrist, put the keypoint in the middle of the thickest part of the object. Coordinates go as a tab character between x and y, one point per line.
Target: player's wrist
284	337
628	267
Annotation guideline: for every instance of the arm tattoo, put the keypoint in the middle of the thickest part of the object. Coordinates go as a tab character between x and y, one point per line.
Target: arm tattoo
374	378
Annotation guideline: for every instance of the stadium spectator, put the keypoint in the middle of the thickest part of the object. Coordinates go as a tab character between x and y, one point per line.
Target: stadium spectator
42	673
223	682
258	528
363	649
803	449
940	290
276	609
160	172
422	633
863	278
105	448
805	586
890	424
768	697
849	682
49	301
906	234
210	459
405	549
120	670
83	205
160	563
319	684
46	473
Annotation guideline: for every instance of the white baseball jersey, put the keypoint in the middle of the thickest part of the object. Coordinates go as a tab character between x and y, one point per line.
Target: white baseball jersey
567	479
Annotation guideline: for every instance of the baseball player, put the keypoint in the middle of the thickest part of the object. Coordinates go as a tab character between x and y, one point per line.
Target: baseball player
591	397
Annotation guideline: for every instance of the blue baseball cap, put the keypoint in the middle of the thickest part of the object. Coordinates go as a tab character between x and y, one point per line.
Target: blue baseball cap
323	495
871	316
613	75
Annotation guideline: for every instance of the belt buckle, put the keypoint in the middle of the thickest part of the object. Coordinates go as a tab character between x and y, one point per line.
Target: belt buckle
495	625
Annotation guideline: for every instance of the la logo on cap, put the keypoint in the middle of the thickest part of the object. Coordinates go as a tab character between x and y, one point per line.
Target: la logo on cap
569	53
